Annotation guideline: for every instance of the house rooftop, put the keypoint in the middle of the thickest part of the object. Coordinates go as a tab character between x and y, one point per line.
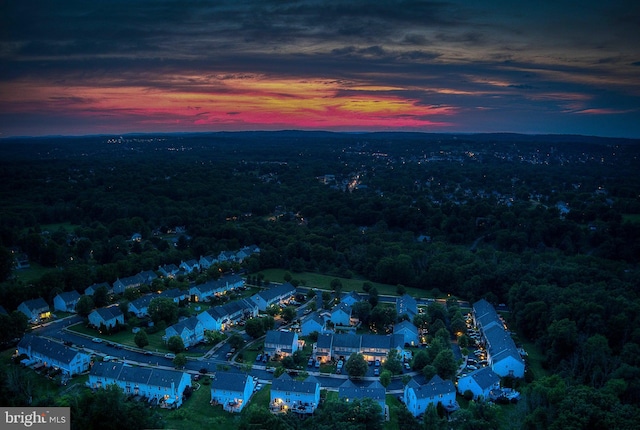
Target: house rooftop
229	381
277	291
69	296
484	377
36	304
48	348
286	383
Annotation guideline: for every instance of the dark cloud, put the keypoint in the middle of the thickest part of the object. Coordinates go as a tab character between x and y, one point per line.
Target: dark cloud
499	56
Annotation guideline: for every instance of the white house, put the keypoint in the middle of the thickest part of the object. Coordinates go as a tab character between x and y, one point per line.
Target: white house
169	270
53	354
109	317
120	285
159	386
273	295
341	315
287	394
280	342
220	317
66	302
140	306
502	354
313	322
348	392
351	298
407	305
190	330
408	331
480	382
91	289
36	309
190	266
231	390
418	397
207	261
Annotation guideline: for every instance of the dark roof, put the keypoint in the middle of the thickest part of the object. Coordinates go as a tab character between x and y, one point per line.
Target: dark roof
484	377
277	291
346	340
143	302
375	391
229	381
172	293
69	296
434	387
109	312
405	325
280	337
35	304
137	375
189	323
286	383
48	348
406	305
325	341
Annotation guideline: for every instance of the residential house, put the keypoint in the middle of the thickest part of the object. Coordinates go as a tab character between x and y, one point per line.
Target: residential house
418	397
502	354
120	285
174	294
36	309
67	301
140	306
480	382
190	266
274	295
91	289
407	305
377	347
226	257
231	390
147	277
169	270
190	330
220	317
349	391
159	386
343	345
136	237
341	315
207	261
287	394
408	331
218	287
313	322
53	354
108	317
351	298
280	342
323	347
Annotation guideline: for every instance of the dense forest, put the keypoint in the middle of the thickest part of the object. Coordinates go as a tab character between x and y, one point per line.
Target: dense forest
548	225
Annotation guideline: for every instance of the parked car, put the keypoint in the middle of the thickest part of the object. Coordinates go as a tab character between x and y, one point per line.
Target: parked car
170	355
376	371
96	340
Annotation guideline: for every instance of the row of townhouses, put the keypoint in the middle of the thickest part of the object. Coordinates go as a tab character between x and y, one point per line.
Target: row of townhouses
502	354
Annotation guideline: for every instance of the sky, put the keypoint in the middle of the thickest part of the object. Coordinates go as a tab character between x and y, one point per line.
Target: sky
76	67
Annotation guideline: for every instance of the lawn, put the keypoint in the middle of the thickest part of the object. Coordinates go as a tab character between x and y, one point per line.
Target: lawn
197	413
124	337
534	359
323	282
32	274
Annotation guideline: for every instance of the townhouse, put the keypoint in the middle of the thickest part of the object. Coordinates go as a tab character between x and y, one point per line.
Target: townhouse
287	394
231	390
159	386
53	354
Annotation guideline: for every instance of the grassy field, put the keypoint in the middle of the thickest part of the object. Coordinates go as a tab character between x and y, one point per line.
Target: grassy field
323	282
534	360
197	412
124	337
635	218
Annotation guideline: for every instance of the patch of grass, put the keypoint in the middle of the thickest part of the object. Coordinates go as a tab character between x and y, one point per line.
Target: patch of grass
197	413
534	359
393	403
32	274
635	218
